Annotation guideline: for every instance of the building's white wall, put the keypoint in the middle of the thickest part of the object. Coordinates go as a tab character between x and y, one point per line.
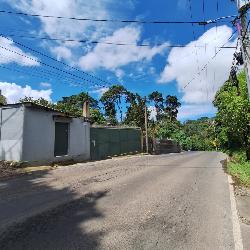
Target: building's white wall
79	139
39	138
11	133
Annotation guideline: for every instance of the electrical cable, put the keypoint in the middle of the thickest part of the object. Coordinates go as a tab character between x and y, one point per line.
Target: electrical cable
61	62
45	64
47	74
116	20
199	72
103	42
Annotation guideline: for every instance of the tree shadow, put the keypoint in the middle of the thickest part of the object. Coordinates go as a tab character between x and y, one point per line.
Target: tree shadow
63	227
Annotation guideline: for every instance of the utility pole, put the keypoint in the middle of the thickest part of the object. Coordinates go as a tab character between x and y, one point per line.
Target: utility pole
244	38
146	123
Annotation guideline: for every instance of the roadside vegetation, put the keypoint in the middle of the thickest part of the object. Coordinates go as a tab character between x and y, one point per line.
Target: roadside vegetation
239	168
233	126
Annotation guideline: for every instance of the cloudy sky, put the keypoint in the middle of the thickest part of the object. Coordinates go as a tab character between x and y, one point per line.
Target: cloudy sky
26	67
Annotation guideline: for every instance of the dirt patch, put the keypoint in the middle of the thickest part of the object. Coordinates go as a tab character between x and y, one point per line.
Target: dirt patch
9	169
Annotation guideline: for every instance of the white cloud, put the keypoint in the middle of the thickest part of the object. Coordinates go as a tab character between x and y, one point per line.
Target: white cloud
62	52
14	92
99	91
45	85
183	64
84	30
193	111
7	56
119	73
153	113
243	2
113	57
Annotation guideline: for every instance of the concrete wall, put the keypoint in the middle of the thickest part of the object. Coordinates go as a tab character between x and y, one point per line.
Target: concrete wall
39	138
110	141
11	133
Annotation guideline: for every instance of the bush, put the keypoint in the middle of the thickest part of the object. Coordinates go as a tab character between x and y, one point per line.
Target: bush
239	167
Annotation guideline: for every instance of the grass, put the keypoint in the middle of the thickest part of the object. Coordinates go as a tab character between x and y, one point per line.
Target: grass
239	168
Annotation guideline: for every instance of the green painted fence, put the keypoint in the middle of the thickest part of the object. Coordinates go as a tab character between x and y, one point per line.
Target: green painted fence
111	141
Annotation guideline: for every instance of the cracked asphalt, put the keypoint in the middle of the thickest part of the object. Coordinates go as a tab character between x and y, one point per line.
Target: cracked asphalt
176	201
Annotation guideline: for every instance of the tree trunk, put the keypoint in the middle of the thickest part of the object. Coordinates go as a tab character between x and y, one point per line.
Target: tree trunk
248	152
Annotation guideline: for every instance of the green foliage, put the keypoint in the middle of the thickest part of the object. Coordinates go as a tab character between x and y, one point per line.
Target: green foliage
233	116
166	129
192	135
112	99
73	104
40	101
172	105
241	172
158	100
135	115
3	100
239	167
96	116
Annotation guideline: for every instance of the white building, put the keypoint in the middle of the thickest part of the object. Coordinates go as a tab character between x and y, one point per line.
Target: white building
38	134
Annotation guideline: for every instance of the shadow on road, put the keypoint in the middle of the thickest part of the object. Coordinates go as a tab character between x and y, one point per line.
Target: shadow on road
65	227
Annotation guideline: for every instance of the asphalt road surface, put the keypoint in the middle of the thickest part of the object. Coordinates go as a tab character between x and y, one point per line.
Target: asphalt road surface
177	201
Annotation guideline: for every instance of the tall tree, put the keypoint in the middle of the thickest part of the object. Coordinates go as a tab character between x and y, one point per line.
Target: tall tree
73	104
172	105
135	115
112	99
158	99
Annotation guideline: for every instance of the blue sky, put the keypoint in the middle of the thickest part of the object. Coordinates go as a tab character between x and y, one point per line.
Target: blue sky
139	69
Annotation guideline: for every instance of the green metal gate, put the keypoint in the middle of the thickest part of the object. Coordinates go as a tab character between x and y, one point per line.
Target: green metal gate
111	141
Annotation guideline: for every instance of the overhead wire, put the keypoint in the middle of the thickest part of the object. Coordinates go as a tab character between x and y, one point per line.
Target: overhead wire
55	60
117	20
32	74
48	65
203	68
105	42
42	73
61	62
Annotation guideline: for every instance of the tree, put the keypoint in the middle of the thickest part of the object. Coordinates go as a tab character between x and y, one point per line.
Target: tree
39	101
112	99
3	100
166	129
135	115
96	116
233	116
73	104
158	99
172	105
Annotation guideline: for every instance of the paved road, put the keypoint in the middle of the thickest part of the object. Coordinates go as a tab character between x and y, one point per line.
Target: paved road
178	201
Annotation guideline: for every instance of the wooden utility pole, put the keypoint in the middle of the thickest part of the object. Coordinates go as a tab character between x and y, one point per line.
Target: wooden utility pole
244	38
146	123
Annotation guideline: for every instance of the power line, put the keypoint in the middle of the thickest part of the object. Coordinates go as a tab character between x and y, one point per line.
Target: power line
116	20
45	64
32	74
46	74
47	56
203	68
107	42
